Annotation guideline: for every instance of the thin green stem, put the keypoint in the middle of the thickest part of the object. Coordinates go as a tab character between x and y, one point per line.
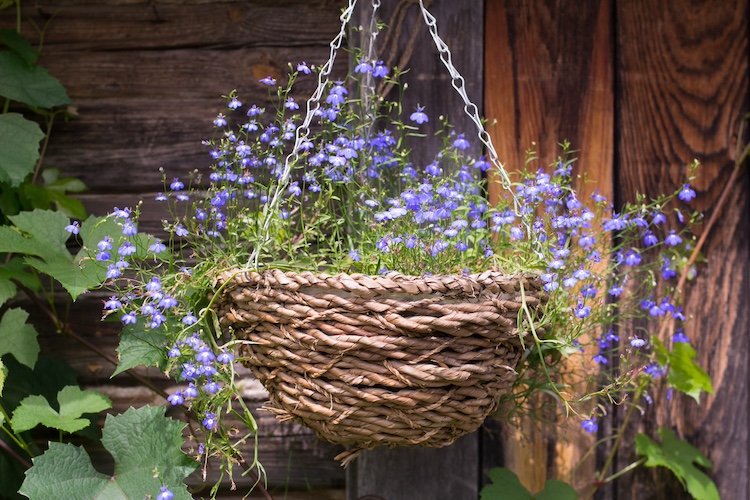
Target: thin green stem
50	118
624	470
620	434
16	438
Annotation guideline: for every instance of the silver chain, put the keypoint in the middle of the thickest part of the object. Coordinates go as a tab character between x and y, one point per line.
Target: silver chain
303	131
458	83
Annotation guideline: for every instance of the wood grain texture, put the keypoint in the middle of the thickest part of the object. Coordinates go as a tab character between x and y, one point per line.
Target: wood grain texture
683	80
549	77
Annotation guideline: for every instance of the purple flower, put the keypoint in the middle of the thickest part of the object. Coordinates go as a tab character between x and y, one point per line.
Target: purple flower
686	193
461	143
672	239
180	231
303	68
129	318
234	103
129	229
419	116
225	358
290	104
103	256
112	303
176	398
354	255
165	494
599	358
191	391
380	70
157	246
174	352
189	319
113	271
176	185
680	336
212	387
637	342
73	228
267	81
590	425
211	423
649	239
220	121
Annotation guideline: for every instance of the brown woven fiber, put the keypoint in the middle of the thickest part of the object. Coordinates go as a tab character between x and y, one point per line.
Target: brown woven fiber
380	360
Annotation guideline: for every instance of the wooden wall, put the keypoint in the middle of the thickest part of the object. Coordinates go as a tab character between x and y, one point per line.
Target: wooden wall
641	87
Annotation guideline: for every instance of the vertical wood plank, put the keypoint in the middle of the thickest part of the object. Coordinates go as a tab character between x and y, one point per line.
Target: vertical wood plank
549	77
683	80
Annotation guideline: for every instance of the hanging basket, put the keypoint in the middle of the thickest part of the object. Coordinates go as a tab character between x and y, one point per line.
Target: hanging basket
380	360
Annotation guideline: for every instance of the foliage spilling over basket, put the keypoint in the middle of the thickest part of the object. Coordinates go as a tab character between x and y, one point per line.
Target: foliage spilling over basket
381	360
383	302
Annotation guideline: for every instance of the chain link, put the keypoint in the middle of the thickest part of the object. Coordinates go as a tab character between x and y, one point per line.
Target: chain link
458	83
303	131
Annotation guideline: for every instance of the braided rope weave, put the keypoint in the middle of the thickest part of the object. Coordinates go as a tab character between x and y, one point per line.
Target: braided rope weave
380	360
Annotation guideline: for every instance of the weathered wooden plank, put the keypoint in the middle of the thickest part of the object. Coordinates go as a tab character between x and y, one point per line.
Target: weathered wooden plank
549	77
144	24
683	80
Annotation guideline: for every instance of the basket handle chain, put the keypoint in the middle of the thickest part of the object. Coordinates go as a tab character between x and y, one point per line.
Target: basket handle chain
303	131
458	83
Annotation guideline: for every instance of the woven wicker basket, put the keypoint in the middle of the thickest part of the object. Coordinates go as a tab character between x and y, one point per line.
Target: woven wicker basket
380	360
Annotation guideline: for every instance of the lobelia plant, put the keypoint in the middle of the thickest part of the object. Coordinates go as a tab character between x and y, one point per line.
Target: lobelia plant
333	192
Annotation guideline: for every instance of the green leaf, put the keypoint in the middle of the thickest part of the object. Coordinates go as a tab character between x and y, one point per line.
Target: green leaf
140	346
30	85
18	337
42	234
141	442
506	486
685	374
48	377
554	489
3	375
7	290
19	147
16	269
74	402
19	44
679	457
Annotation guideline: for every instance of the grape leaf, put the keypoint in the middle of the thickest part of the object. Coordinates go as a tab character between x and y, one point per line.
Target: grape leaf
74	402
18	337
140	346
679	457
146	449
19	44
506	486
685	374
31	85
19	147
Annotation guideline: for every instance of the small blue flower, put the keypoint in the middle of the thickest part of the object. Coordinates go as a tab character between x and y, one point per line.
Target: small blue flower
103	256
113	271
599	358
129	318
205	356
303	68
176	398
363	67
220	121
174	352
211	423
686	193
225	358
672	239
234	103
354	255
113	303
189	319
176	185
212	387
419	116
267	81
129	229
680	336
180	231
380	70
659	218
126	249
590	425
191	391
73	228
160	197
157	246
649	239
167	302
461	143
290	104
165	494
637	342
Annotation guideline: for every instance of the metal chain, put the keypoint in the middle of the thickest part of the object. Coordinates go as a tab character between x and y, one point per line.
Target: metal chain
303	131
458	83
